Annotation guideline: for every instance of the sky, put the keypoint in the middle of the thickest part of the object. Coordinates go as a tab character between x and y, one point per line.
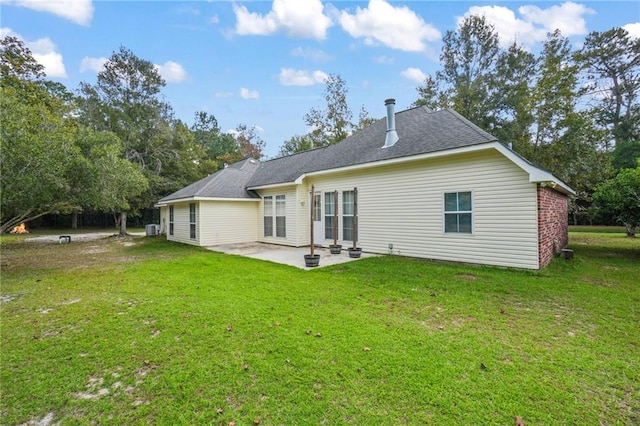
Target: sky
265	63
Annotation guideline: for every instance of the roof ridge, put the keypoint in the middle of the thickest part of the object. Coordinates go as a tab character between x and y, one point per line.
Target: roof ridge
469	124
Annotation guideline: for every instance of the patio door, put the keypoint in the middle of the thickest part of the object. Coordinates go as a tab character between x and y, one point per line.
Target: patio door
318	227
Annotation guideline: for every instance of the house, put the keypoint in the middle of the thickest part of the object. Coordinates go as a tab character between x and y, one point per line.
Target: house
430	184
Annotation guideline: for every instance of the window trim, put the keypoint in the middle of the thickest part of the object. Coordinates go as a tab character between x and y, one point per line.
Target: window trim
329	214
458	212
346	215
193	213
171	219
282	200
270	216
267	214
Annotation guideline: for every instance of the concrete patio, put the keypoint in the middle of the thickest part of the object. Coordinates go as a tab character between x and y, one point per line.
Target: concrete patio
293	256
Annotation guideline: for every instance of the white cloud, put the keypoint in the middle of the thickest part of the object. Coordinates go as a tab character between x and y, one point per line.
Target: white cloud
291	77
414	74
534	23
384	60
222	95
172	72
311	54
248	94
78	11
44	52
92	64
633	29
298	18
214	19
395	27
568	17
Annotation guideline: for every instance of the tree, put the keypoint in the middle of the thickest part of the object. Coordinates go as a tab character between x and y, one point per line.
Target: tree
626	154
295	145
364	119
612	62
217	145
126	101
250	145
36	140
513	78
619	199
333	123
100	179
466	82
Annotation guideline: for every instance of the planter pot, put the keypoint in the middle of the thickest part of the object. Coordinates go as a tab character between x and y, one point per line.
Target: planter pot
311	261
355	252
335	249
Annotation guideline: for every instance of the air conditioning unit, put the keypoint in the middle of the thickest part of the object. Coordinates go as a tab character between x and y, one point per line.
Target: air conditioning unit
152	230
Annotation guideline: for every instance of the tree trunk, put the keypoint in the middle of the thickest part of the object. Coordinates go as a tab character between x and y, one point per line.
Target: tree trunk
74	220
631	230
123	223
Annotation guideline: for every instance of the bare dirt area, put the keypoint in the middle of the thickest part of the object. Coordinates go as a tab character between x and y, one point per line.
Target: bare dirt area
86	249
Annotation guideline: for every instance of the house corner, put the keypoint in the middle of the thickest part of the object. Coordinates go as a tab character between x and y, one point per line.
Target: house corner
553	221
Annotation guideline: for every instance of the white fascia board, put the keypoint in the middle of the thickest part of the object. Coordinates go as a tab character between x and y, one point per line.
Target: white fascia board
536	175
275	185
399	160
191	199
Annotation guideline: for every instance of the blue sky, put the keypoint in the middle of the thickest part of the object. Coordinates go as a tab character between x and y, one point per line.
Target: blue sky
263	63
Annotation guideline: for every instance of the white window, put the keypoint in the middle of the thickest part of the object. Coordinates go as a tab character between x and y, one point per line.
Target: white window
277	211
317	207
347	215
192	221
268	216
281	216
458	212
170	220
329	207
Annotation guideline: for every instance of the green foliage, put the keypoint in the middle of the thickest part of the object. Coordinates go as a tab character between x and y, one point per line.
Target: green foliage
51	163
468	57
295	145
36	141
331	124
101	179
514	116
126	100
250	144
540	104
219	147
619	199
612	62
626	155
165	333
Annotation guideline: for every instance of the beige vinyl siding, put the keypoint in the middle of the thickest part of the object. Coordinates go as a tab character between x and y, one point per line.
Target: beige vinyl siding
292	210
404	205
303	215
181	223
227	222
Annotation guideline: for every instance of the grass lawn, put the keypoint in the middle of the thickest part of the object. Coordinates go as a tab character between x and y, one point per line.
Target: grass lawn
140	330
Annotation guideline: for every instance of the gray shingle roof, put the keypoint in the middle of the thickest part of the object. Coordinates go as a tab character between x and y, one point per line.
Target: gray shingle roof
230	182
420	131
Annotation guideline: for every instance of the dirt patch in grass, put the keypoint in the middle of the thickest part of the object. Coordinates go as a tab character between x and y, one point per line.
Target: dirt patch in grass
45	252
468	277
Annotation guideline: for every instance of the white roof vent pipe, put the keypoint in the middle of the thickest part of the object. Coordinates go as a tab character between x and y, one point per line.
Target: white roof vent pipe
392	135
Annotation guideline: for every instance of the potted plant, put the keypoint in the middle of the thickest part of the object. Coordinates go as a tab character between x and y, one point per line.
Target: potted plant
335	248
311	260
355	251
